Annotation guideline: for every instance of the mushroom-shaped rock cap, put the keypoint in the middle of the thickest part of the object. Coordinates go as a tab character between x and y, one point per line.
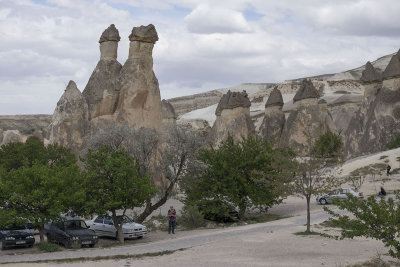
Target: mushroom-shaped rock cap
147	34
232	100
168	111
322	101
110	34
275	98
393	68
370	74
307	90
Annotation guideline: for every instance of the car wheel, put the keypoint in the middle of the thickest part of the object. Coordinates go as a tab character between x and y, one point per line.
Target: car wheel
140	237
323	201
91	246
1	245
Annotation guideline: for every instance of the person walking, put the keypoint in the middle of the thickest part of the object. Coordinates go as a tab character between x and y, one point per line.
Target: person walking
171	220
388	170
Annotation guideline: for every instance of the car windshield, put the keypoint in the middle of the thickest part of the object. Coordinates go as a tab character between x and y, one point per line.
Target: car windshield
75	224
12	227
125	218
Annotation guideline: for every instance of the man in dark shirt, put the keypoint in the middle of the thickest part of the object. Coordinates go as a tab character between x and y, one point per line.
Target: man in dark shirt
171	220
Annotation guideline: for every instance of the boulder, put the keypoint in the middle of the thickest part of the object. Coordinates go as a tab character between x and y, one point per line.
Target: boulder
69	123
101	92
139	100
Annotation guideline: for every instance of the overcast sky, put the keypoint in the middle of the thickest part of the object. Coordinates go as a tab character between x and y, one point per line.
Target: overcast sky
204	44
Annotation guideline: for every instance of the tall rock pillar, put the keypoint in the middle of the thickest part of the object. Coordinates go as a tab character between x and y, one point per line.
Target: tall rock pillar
139	101
274	118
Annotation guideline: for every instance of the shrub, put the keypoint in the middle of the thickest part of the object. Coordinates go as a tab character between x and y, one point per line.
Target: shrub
395	143
191	217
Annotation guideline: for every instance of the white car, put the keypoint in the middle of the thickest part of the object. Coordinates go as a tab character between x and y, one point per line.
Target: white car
104	226
340	194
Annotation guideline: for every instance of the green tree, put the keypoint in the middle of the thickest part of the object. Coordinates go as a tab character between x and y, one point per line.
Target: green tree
240	175
113	183
44	186
378	219
313	172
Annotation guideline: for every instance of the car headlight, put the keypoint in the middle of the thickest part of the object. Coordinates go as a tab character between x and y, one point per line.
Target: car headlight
75	238
95	237
10	238
30	237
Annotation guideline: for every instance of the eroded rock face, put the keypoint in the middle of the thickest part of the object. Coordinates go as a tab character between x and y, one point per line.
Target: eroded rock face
168	113
101	92
233	118
393	68
376	123
10	136
139	100
69	123
274	118
308	120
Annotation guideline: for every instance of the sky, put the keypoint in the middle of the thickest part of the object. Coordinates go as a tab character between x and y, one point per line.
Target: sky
203	44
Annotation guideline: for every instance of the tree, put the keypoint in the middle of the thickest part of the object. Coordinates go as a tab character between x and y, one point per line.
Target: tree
113	183
239	175
41	185
313	172
165	158
370	218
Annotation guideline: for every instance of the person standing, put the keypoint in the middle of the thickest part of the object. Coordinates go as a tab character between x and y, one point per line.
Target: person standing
171	220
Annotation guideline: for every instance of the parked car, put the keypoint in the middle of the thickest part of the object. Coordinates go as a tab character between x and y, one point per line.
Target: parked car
104	226
70	230
15	236
341	194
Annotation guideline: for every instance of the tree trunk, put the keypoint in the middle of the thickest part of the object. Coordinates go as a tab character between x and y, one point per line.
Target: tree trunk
308	214
120	233
242	210
150	207
41	233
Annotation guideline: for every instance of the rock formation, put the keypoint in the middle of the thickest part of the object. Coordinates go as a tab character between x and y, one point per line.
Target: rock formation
69	123
274	118
309	120
377	122
371	79
168	114
101	92
233	118
139	100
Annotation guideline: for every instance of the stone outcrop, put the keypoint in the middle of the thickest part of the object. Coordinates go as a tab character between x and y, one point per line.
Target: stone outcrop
168	114
309	120
139	100
377	122
274	118
233	118
101	92
11	136
69	123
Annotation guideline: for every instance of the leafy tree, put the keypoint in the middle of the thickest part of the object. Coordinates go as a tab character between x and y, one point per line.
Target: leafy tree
313	172
113	183
239	175
395	143
370	218
45	184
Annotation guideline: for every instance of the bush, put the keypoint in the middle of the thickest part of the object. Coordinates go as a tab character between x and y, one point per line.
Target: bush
191	217
49	247
395	143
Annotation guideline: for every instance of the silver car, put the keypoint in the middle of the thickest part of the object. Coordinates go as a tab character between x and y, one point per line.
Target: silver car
341	194
104	226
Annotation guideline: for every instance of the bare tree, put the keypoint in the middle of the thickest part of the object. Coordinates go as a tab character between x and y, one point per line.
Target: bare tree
313	169
164	157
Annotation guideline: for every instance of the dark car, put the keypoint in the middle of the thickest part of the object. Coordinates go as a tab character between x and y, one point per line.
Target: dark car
69	231
15	236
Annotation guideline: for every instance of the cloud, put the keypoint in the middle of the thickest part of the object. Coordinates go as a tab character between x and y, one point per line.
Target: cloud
203	45
205	19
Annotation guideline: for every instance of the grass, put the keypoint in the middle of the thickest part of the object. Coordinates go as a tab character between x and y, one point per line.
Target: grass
48	247
383	157
263	218
98	258
305	233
